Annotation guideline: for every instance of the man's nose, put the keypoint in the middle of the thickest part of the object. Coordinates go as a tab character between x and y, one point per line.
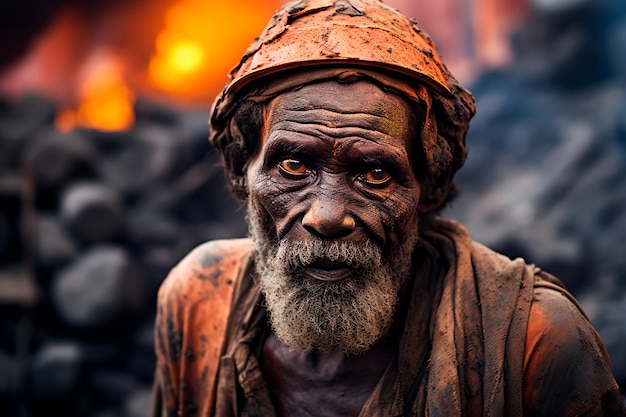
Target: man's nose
328	219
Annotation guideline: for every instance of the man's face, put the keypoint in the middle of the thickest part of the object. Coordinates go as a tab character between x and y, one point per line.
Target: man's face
333	211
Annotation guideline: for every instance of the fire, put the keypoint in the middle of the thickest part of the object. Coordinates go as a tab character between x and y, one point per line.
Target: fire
180	51
105	100
201	41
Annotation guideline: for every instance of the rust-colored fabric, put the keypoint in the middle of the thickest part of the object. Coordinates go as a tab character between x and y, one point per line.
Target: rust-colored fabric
483	336
193	309
363	33
309	35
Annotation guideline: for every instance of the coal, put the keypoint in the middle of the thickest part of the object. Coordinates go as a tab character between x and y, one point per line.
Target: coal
11	208
155	264
139	403
563	47
141	356
54	247
113	386
99	218
545	176
7	375
136	164
56	370
20	121
146	227
57	158
98	289
92	211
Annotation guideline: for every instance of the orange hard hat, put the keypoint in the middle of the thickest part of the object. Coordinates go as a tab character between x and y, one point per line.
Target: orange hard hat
322	37
357	33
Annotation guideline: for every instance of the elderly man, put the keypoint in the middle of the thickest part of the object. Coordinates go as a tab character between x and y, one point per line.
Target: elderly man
342	129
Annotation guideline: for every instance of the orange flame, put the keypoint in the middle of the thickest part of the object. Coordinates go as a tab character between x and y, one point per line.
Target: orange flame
106	102
201	41
193	53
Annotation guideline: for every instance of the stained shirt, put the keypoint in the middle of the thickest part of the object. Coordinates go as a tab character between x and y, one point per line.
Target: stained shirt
482	336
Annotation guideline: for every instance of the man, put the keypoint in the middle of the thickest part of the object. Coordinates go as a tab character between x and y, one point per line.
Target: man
342	129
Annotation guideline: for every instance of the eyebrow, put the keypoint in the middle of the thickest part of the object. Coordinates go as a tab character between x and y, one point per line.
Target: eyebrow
391	161
282	146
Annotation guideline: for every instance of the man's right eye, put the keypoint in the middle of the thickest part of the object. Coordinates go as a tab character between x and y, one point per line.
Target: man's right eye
293	168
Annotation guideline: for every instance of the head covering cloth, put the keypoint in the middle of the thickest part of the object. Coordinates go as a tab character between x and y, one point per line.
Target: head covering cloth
346	40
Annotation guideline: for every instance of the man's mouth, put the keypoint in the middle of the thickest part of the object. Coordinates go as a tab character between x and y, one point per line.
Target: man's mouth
329	271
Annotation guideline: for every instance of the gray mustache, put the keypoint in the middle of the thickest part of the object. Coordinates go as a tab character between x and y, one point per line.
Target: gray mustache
358	255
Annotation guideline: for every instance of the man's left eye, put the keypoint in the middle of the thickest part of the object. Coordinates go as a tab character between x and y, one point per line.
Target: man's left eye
377	177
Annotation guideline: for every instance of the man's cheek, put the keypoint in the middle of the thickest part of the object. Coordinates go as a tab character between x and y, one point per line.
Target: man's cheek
272	205
397	219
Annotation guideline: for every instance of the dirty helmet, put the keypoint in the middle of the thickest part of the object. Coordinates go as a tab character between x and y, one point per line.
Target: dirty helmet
309	35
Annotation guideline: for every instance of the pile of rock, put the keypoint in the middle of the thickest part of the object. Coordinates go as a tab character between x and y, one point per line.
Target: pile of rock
545	176
90	224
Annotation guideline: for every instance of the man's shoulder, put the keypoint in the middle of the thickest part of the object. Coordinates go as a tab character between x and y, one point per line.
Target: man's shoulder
555	316
211	267
567	369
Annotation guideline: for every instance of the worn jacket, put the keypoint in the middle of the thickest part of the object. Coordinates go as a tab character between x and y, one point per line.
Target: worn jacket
483	336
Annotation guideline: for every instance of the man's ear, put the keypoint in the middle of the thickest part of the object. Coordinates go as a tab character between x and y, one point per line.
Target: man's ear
432	197
236	161
239	187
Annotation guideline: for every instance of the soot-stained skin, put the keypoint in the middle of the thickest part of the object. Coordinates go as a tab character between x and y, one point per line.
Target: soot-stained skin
334	164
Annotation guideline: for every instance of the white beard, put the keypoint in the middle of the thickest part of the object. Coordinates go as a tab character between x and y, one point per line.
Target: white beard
308	315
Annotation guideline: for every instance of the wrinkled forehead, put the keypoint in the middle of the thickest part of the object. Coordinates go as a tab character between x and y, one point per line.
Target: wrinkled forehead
330	104
358	90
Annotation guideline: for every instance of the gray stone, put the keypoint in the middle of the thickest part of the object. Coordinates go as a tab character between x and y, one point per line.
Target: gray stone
91	211
53	246
148	157
56	370
139	403
57	157
8	375
98	288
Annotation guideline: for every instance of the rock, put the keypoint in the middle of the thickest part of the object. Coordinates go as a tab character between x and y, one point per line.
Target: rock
155	263
559	47
98	288
56	370
136	164
11	211
142	357
57	158
139	403
145	227
545	175
91	211
112	386
8	376
19	123
53	246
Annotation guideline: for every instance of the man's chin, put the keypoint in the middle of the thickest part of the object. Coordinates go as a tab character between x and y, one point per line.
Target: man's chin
314	312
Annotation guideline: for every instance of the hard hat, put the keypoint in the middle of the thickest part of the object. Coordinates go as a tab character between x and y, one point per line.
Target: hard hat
365	36
334	32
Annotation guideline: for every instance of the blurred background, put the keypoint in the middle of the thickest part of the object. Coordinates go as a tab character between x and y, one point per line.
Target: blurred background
107	178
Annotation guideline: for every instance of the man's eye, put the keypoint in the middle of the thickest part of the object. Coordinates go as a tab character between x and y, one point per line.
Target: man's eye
376	177
293	168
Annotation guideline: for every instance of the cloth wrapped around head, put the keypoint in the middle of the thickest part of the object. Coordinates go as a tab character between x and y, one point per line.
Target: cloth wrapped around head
347	40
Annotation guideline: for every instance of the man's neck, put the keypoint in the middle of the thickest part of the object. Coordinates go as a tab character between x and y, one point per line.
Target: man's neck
329	384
